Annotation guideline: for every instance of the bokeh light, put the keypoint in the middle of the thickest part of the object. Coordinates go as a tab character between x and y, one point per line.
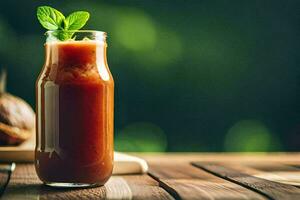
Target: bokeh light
250	135
135	31
141	136
167	51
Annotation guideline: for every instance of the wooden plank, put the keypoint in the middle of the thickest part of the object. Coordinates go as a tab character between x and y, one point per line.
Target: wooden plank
145	187
270	189
293	158
184	181
25	185
271	171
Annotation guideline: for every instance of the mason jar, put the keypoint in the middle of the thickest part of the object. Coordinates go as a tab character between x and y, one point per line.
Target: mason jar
75	111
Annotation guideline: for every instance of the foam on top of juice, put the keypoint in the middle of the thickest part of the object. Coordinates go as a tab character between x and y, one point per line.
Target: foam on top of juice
77	60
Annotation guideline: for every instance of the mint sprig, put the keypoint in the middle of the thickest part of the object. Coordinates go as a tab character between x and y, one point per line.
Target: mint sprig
52	19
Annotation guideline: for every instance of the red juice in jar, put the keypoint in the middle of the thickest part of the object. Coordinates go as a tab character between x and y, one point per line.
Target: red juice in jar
75	102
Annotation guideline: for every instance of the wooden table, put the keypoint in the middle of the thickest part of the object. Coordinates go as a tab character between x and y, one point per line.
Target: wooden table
180	176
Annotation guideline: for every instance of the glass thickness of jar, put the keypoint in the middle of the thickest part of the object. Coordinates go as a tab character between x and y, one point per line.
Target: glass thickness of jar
74	106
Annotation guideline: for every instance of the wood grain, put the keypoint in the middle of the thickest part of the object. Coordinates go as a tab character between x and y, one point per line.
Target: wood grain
237	176
272	171
270	189
287	158
184	181
24	184
145	187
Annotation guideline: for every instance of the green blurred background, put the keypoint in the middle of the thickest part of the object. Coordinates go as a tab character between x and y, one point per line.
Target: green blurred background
190	75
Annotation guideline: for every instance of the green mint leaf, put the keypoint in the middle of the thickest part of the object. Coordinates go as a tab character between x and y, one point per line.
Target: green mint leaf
76	20
50	18
64	28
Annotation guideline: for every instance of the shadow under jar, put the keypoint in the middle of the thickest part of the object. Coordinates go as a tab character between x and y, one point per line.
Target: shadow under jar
74	104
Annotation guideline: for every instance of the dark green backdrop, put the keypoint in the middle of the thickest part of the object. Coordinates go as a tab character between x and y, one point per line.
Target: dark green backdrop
190	75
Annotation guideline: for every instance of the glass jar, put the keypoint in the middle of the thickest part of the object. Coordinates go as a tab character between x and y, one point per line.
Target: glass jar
74	106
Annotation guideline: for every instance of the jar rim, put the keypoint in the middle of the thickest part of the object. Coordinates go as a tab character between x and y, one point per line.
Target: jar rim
79	35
